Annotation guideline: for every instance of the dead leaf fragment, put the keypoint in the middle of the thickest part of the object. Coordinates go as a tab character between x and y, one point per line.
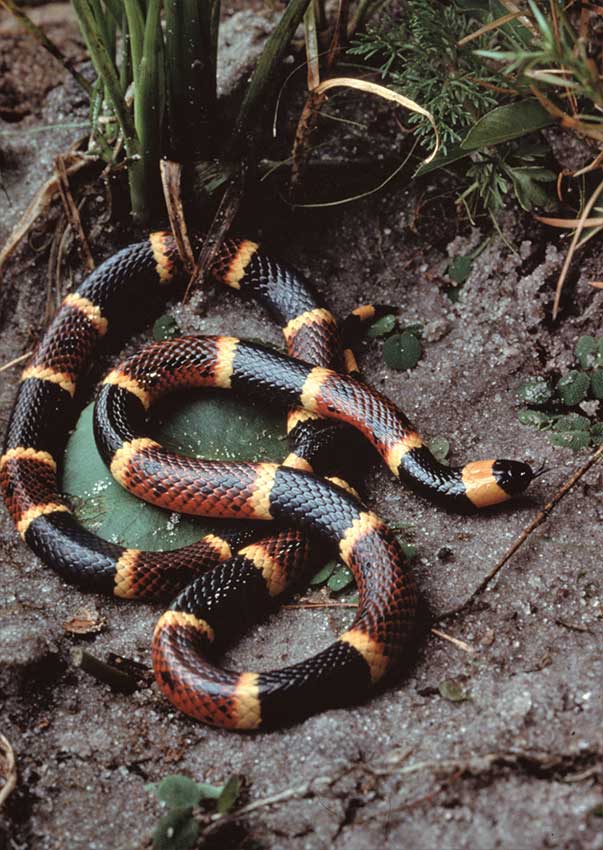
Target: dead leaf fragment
8	770
85	621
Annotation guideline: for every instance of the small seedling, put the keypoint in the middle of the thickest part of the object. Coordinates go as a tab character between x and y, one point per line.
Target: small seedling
555	409
179	828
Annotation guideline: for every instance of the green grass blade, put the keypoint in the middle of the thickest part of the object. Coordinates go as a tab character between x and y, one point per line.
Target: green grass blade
146	101
264	74
135	33
106	70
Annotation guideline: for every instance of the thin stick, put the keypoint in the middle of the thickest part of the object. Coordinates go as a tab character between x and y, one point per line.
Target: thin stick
16	360
73	213
538	520
460	643
327	604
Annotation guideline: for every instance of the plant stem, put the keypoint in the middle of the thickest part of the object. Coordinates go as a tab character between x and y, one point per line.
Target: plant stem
39	34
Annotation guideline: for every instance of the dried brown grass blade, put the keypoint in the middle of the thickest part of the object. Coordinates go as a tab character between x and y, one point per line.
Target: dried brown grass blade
572	248
38	207
171	173
8	770
72	212
493	25
569	223
386	94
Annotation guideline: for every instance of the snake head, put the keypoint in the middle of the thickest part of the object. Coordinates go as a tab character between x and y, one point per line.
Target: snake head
512	476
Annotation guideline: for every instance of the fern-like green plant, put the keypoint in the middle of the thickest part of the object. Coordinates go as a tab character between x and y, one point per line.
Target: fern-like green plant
419	55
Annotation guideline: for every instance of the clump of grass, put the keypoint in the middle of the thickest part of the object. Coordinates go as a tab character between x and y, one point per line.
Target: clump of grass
155	96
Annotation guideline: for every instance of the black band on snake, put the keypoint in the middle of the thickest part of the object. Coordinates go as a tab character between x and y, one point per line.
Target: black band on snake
254	571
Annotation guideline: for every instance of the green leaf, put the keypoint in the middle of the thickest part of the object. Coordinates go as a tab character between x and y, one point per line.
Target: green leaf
453	690
408	550
573	387
535	391
575	440
453	155
596	383
178	830
207	425
572	422
229	795
505	123
178	792
596	433
536	419
210	792
586	350
416	329
402	351
460	269
529	192
340	579
382	326
439	447
323	574
166	327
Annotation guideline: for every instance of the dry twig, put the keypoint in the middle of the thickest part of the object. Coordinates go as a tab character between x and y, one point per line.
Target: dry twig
15	360
538	520
72	212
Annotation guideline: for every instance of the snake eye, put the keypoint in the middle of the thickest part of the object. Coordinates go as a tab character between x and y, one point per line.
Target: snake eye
512	475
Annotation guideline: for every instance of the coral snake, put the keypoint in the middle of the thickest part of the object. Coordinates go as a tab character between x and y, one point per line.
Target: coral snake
226	581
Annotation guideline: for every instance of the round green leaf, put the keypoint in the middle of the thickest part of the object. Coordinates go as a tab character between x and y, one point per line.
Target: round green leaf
453	690
178	792
572	388
460	269
535	418
177	830
340	579
416	329
596	433
382	326
207	424
439	447
402	351
408	550
166	327
586	349
322	575
572	422
535	391
575	440
596	383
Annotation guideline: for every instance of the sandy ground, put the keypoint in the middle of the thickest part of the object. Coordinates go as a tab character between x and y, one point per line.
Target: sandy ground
515	765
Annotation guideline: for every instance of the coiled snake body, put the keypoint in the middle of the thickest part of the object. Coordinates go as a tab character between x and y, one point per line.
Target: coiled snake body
227	581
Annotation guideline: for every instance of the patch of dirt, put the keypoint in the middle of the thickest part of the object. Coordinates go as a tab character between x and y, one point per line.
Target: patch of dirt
518	763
